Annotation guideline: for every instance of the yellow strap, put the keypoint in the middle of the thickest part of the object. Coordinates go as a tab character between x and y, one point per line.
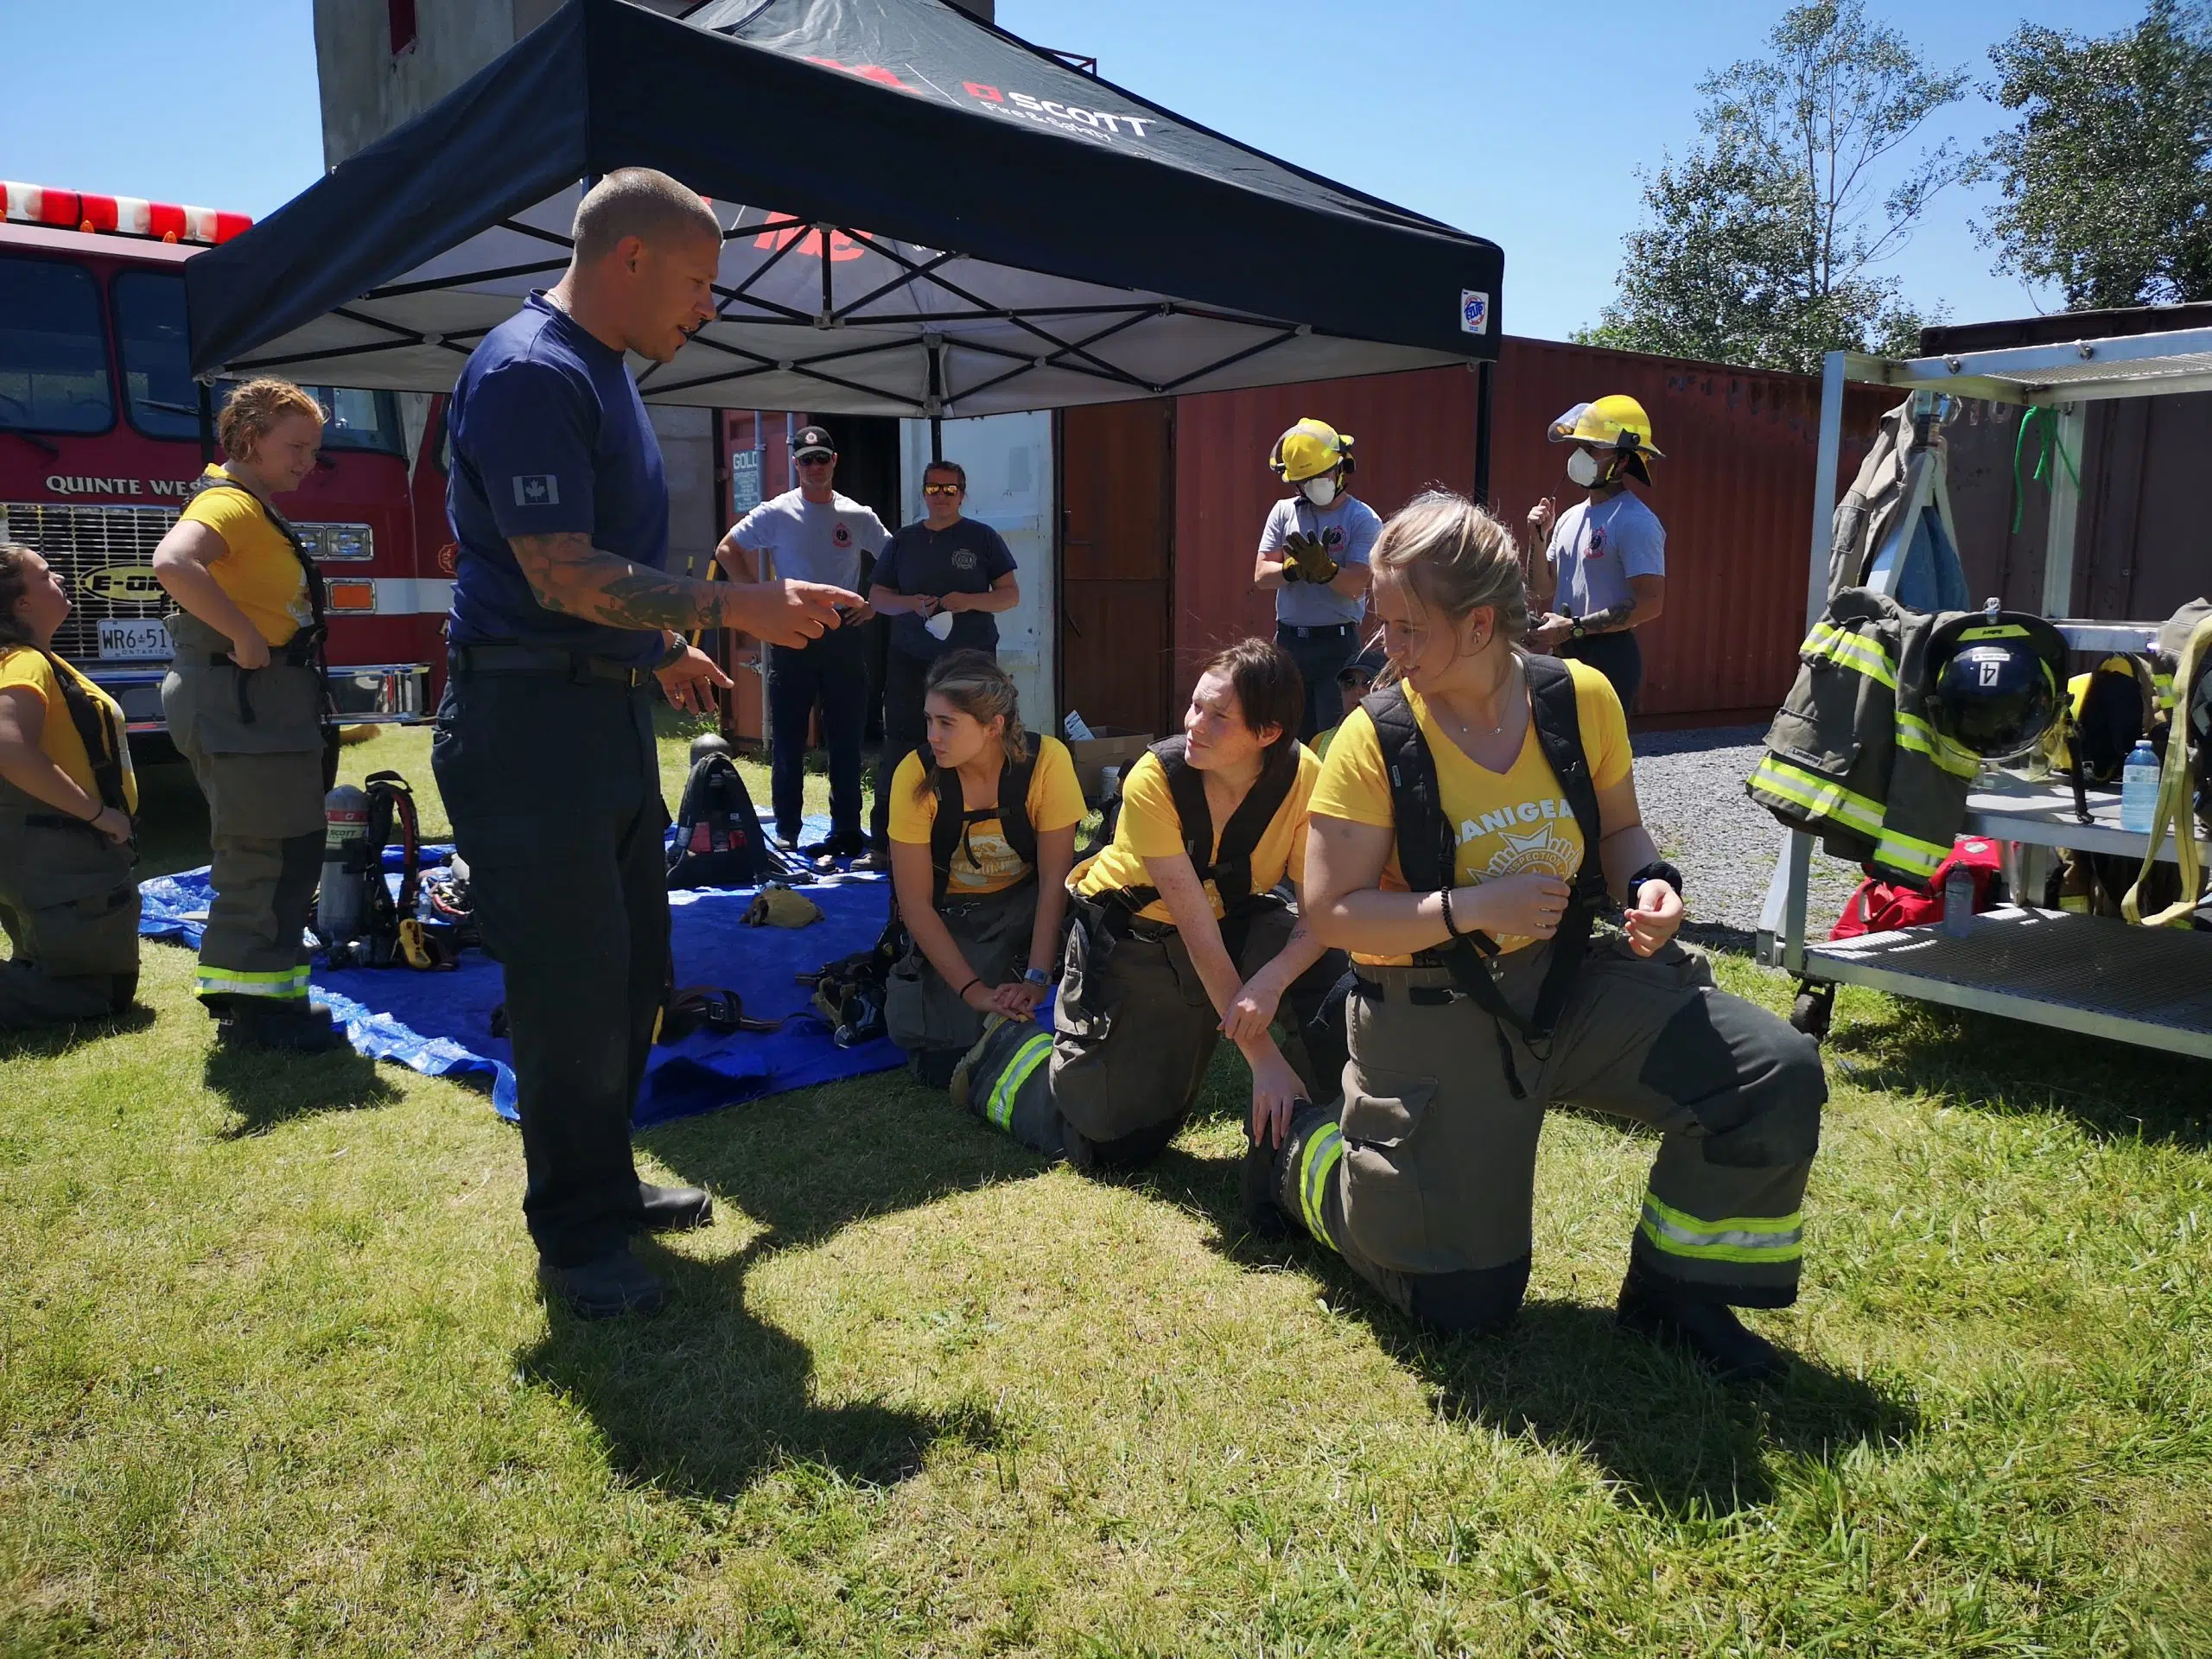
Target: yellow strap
2176	789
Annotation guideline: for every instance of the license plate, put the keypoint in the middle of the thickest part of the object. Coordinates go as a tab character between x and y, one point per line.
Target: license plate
135	639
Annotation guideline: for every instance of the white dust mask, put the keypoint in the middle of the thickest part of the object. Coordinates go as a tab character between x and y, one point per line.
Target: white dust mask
1582	469
1319	491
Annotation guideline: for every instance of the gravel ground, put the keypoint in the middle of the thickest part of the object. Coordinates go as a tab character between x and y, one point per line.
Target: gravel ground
1690	785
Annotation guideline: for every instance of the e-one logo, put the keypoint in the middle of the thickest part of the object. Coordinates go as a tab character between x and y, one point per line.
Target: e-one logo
122	584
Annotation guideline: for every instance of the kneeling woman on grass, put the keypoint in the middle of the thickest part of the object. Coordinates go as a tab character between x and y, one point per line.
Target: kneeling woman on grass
1180	939
1470	824
982	834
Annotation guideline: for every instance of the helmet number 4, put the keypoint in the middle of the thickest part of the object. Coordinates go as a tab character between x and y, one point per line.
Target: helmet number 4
1988	668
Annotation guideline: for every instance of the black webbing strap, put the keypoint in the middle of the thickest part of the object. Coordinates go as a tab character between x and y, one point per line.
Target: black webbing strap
103	737
1429	845
1229	867
948	830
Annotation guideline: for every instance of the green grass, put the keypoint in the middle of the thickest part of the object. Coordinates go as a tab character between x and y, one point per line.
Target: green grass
274	1378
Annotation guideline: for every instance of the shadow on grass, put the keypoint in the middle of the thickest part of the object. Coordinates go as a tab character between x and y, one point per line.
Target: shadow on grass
1562	1373
266	1089
707	1399
46	1041
1980	1062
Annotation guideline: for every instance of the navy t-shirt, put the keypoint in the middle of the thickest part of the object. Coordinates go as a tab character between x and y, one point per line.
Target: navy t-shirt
965	557
548	436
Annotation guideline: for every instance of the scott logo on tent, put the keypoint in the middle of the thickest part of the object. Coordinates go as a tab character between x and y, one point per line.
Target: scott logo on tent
1048	110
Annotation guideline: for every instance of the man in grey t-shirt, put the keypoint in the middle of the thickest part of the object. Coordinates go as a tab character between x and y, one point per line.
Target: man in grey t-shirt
813	533
1604	572
1313	558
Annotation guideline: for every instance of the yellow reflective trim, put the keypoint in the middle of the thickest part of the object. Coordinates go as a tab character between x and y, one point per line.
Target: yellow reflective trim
1999	630
1916	734
1904	852
238	981
1820	797
1035	1050
1317	1162
1849	651
1754	1240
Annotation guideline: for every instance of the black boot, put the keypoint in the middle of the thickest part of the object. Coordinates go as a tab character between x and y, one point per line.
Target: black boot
1707	1330
292	1027
604	1288
674	1209
1258	1181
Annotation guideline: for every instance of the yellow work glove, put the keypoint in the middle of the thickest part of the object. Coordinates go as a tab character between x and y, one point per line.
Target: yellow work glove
1304	559
779	906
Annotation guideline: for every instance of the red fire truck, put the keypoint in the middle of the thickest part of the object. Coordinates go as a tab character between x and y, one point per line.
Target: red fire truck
102	432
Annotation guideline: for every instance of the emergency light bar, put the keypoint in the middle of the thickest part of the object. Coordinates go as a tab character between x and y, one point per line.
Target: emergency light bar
79	210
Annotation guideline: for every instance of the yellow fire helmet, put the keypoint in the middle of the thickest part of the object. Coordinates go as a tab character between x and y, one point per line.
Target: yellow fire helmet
1615	423
1309	449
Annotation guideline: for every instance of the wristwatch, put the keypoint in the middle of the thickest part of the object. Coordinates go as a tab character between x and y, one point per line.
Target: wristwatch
1576	631
1037	977
674	654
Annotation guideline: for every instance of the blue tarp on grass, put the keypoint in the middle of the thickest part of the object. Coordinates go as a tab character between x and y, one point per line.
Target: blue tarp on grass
440	1023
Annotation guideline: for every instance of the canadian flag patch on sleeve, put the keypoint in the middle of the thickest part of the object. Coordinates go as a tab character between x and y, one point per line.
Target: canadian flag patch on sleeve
538	490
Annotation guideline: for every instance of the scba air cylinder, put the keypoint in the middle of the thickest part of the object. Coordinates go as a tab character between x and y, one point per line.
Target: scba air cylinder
341	912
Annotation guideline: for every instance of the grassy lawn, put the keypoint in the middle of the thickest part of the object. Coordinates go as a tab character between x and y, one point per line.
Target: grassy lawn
274	1377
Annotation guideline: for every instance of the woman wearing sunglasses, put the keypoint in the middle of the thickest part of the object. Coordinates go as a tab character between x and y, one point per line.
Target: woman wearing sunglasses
941	583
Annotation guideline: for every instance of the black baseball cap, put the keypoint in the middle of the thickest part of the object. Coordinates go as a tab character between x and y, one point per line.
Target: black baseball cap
1366	665
809	441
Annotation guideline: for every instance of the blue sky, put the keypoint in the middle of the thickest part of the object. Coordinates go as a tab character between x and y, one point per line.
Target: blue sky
1522	122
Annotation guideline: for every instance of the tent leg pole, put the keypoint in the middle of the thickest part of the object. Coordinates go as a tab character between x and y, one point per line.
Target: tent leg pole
1483	372
937	439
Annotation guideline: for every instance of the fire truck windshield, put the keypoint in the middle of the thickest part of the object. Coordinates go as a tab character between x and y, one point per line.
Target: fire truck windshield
53	350
149	325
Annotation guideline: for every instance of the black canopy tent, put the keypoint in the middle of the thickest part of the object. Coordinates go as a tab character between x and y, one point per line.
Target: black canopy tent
924	217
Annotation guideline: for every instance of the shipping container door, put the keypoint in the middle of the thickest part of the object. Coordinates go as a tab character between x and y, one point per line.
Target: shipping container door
1117	527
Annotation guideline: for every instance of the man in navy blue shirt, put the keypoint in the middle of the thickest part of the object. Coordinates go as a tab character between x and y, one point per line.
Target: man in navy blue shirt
564	625
946	566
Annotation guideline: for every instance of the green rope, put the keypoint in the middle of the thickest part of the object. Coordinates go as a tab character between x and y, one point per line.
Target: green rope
2051	446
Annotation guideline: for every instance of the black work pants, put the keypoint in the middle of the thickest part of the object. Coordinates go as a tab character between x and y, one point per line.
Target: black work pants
903	731
1321	654
833	672
553	786
1616	656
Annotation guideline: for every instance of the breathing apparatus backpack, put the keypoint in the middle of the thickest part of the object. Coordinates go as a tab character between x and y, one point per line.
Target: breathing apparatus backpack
361	923
1228	865
718	840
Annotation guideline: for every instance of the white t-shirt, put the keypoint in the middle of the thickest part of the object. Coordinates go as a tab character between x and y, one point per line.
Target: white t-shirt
1597	546
814	542
1347	527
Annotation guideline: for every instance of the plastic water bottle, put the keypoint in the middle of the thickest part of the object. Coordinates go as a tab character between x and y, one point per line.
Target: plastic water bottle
1958	902
2139	788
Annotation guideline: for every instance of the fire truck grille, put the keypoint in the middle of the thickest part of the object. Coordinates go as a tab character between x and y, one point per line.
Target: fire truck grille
105	557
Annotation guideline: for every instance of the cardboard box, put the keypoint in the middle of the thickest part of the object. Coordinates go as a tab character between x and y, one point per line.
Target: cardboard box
1108	746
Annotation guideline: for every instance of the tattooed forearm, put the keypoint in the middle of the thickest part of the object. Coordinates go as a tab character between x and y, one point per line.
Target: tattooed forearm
572	577
1611	618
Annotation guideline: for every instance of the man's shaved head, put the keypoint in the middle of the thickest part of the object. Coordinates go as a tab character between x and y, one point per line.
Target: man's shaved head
640	202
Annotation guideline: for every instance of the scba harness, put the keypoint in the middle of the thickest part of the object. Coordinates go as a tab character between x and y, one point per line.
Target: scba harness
304	649
1229	865
948	830
718	840
1428	849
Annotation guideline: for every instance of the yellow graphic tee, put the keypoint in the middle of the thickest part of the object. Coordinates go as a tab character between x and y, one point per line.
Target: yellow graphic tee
1149	827
1514	823
257	570
59	740
1055	802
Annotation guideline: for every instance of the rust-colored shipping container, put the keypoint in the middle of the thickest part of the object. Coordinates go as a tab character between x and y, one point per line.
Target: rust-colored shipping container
1735	494
1411	430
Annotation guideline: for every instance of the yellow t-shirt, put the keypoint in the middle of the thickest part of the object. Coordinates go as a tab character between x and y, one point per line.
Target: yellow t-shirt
61	741
1150	829
257	570
1514	823
1055	802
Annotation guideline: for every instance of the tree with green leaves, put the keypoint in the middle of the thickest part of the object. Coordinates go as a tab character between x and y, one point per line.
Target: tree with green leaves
2105	181
1762	245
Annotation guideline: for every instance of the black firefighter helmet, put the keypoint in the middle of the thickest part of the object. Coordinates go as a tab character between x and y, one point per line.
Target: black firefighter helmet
1998	680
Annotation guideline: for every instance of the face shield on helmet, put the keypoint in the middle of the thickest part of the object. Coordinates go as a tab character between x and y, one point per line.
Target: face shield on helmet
1996	686
1611	436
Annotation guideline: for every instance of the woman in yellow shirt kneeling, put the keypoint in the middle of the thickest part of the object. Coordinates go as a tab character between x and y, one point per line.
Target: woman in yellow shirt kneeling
1471	823
983	833
1180	939
66	796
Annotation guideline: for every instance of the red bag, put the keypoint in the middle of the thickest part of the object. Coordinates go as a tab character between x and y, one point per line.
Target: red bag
1879	907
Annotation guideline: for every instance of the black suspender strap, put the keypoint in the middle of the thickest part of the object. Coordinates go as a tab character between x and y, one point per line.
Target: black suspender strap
1428	848
101	734
318	632
1229	867
948	830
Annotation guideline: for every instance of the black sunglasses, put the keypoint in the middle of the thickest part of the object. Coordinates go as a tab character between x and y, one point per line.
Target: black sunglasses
940	489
